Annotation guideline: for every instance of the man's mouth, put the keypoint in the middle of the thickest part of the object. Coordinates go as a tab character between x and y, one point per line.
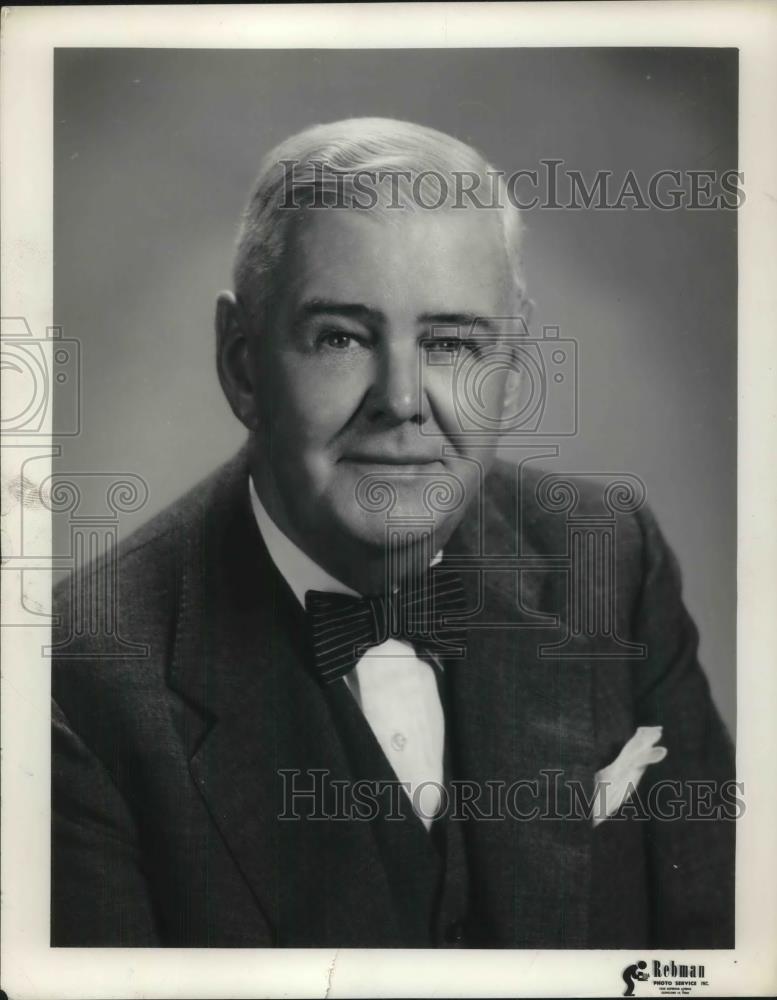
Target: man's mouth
406	461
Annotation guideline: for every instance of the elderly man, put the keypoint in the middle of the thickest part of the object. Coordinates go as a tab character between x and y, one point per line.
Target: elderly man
383	699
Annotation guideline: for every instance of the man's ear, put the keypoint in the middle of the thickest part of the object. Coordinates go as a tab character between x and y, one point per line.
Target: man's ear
233	359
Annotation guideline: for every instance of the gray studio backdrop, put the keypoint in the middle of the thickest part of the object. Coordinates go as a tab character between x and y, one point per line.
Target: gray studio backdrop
155	151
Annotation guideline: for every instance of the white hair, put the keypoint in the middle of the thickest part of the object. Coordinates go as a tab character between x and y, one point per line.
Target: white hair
291	175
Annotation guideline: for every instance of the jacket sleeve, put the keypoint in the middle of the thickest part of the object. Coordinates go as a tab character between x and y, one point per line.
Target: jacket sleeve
691	795
99	893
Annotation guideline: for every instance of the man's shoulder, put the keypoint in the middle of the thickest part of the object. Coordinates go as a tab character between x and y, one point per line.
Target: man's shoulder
179	519
115	619
138	578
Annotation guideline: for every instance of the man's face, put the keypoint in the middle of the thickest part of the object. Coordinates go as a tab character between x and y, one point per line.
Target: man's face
358	371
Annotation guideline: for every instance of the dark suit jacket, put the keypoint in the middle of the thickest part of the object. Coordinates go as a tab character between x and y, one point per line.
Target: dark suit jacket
166	788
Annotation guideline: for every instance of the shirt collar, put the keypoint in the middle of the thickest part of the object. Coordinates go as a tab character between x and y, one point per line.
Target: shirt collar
299	571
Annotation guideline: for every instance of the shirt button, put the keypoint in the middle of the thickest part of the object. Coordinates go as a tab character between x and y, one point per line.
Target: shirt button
399	741
454	932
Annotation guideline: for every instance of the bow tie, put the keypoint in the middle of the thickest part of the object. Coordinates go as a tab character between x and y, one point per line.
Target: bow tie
344	628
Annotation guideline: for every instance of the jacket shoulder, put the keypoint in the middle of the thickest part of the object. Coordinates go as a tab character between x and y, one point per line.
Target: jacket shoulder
132	591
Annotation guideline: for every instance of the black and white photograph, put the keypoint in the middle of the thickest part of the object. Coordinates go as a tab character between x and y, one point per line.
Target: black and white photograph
373	508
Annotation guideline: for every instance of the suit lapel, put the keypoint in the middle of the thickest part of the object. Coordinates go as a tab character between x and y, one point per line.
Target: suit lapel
516	716
259	725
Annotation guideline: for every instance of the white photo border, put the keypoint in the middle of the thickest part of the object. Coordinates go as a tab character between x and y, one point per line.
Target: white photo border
30	968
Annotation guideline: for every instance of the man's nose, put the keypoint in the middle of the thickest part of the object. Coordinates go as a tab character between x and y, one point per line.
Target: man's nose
397	394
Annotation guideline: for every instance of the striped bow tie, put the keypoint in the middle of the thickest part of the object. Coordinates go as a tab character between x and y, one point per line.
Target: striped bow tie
344	628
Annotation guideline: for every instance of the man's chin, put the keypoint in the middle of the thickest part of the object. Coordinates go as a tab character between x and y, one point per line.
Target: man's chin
408	526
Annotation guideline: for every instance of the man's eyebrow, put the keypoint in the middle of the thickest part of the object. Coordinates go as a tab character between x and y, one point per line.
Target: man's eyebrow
467	320
330	307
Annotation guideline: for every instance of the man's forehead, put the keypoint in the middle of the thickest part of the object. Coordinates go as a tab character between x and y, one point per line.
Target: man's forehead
341	254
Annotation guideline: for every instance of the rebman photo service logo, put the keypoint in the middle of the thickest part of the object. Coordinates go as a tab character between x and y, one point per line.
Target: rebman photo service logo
643	978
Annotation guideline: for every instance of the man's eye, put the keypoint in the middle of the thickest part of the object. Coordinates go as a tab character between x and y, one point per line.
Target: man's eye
452	345
336	339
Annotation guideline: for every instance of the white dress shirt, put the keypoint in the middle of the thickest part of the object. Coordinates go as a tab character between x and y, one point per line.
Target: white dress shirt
396	691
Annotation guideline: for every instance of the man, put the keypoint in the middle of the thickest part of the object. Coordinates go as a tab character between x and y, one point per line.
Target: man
365	601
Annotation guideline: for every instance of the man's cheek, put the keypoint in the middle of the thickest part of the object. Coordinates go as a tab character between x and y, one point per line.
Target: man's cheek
440	388
320	408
